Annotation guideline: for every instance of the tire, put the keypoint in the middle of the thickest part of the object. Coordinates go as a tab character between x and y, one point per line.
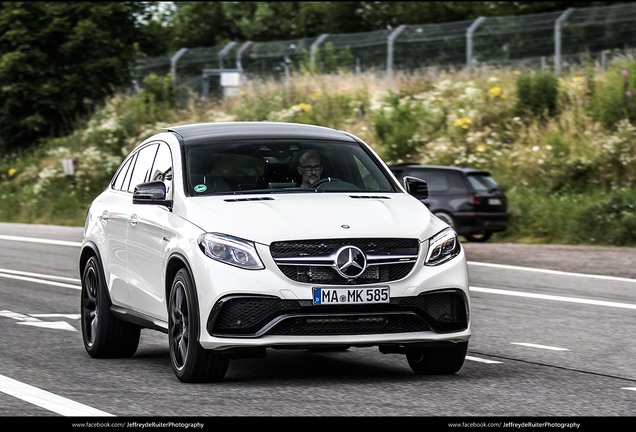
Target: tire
445	217
190	361
437	360
478	237
104	335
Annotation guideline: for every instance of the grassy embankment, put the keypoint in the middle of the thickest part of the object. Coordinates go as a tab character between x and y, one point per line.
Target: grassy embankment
563	148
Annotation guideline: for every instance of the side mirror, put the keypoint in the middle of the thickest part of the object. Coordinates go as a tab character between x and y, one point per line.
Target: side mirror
416	187
151	193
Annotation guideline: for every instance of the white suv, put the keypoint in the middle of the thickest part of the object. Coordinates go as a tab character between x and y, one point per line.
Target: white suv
237	237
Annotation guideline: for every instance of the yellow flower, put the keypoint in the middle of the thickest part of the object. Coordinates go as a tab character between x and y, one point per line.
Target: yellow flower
577	78
12	171
462	122
243	93
494	92
304	107
517	73
315	95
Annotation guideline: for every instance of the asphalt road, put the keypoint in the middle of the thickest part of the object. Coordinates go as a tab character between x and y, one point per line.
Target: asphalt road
553	337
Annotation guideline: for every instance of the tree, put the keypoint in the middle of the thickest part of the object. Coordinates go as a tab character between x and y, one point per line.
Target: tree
57	60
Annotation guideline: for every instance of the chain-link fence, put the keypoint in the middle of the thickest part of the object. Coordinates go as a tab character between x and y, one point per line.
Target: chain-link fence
548	41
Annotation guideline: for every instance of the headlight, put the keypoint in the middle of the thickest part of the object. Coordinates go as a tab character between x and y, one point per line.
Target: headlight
442	247
231	250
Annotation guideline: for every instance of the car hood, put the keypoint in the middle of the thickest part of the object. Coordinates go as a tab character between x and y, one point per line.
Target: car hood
267	218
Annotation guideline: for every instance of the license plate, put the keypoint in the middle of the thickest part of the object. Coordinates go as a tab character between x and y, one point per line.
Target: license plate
494	201
351	295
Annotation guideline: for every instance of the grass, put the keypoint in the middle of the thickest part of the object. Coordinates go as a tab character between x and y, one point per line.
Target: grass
563	148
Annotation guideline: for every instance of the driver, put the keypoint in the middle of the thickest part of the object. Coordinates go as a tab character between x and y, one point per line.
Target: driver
310	168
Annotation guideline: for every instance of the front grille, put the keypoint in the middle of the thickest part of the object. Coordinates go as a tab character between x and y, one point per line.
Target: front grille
253	316
311	261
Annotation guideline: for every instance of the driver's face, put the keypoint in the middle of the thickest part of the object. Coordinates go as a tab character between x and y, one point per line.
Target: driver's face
312	175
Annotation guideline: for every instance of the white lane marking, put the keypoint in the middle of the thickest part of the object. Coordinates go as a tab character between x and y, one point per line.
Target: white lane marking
47	400
481	360
39	240
42	281
545	347
33	320
554	297
553	272
57	315
628	388
55	325
40	275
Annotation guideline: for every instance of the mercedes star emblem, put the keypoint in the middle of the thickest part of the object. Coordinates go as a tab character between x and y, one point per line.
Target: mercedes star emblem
350	262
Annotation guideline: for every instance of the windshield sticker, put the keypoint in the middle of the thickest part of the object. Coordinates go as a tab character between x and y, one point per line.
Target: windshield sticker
200	188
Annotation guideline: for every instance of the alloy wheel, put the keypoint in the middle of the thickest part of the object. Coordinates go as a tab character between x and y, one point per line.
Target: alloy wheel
179	337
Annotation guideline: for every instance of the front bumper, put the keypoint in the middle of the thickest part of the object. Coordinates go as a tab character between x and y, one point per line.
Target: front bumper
251	309
442	311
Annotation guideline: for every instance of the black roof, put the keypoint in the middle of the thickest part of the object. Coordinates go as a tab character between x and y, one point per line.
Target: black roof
207	132
438	167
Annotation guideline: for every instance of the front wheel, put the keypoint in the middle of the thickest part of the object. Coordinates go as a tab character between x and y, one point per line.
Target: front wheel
190	361
437	360
445	217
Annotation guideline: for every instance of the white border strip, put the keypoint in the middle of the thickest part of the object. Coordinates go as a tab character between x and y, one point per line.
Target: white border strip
39	240
552	272
545	347
37	280
40	275
481	360
47	400
553	297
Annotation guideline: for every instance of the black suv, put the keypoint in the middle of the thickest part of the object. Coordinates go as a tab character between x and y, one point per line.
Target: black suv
469	200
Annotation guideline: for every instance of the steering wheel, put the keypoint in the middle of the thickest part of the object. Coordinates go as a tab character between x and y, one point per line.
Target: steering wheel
322	181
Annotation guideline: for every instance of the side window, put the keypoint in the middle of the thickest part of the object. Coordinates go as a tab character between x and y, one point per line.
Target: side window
456	183
162	168
436	180
143	164
122	174
126	182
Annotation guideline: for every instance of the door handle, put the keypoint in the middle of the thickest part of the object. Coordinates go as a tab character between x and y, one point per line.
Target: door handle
134	220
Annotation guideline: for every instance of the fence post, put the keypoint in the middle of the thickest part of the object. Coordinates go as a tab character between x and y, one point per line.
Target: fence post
557	39
389	54
173	63
469	42
314	47
239	53
223	52
603	60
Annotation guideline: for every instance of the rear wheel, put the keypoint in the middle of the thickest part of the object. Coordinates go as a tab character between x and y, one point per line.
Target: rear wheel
437	360
478	237
104	335
190	361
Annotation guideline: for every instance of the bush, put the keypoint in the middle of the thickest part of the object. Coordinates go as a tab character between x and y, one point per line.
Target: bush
610	220
537	94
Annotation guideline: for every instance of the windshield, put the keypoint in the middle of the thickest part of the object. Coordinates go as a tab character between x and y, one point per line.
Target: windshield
282	167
